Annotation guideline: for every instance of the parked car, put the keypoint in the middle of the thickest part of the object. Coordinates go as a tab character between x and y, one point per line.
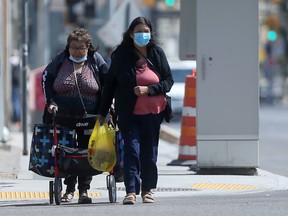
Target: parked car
179	71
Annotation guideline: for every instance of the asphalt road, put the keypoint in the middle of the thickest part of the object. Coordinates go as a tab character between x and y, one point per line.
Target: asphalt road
260	204
273	144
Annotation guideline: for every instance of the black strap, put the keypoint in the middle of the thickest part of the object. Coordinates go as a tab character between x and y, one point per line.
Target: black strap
80	95
151	64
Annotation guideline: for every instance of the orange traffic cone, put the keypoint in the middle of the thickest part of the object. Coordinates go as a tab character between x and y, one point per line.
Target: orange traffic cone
187	145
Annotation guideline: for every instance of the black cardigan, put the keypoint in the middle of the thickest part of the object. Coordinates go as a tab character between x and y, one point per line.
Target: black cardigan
121	80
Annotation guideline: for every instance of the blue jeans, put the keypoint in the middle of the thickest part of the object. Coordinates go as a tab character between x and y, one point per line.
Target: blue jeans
140	152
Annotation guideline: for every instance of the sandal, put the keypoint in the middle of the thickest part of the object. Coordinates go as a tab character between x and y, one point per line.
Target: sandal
67	197
129	199
147	197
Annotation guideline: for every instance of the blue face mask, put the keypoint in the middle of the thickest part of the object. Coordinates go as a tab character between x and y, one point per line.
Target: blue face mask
142	38
78	60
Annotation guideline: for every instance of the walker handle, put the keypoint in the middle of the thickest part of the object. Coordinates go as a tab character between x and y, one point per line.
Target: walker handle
54	111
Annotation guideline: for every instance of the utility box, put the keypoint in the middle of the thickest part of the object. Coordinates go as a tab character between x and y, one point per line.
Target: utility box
227	110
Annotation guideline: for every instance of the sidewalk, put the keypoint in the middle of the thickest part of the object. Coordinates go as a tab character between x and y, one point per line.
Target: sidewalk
16	179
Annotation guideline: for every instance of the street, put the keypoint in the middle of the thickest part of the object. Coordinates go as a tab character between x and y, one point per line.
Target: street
264	204
234	51
172	199
273	145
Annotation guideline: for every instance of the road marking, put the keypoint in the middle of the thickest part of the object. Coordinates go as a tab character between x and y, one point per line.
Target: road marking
35	195
224	186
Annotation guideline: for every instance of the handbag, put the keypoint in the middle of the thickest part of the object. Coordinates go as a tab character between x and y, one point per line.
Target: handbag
74	161
168	112
101	148
42	160
119	166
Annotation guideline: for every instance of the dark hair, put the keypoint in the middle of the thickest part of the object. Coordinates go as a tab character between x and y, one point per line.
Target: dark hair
128	41
80	34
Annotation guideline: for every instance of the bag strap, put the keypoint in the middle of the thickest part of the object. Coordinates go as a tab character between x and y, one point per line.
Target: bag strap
150	63
148	60
80	95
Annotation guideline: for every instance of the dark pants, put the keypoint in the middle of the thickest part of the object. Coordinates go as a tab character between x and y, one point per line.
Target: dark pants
140	153
16	106
83	181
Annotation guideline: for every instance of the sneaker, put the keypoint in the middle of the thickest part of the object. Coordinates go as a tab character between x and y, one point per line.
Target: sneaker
147	197
67	197
84	199
129	199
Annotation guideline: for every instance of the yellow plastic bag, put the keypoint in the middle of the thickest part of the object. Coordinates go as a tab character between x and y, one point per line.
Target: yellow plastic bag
101	148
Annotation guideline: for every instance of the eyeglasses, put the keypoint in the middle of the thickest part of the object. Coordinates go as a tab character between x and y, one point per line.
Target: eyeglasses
81	49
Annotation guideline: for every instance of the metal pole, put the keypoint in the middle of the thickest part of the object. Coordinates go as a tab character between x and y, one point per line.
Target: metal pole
112	7
127	17
46	21
24	8
1	80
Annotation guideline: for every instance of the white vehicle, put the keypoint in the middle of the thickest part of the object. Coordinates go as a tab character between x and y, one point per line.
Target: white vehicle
179	71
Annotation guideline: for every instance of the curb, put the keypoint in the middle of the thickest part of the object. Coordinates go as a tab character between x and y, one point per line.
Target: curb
169	135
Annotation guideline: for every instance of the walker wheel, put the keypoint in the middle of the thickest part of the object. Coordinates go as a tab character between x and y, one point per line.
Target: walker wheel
51	192
112	190
57	190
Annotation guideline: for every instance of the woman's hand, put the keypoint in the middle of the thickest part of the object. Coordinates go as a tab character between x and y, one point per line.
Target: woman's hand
101	119
141	90
51	106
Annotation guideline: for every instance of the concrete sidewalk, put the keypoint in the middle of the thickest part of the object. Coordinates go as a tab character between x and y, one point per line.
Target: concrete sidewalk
17	182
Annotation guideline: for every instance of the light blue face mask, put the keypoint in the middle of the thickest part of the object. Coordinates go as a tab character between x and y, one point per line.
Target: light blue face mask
142	38
78	60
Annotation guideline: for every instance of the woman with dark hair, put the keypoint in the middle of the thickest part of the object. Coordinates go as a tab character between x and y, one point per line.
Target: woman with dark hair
72	84
138	78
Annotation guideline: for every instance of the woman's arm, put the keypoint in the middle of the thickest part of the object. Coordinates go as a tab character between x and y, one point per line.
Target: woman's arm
166	78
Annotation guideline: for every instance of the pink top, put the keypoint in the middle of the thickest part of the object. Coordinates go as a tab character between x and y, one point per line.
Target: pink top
148	104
